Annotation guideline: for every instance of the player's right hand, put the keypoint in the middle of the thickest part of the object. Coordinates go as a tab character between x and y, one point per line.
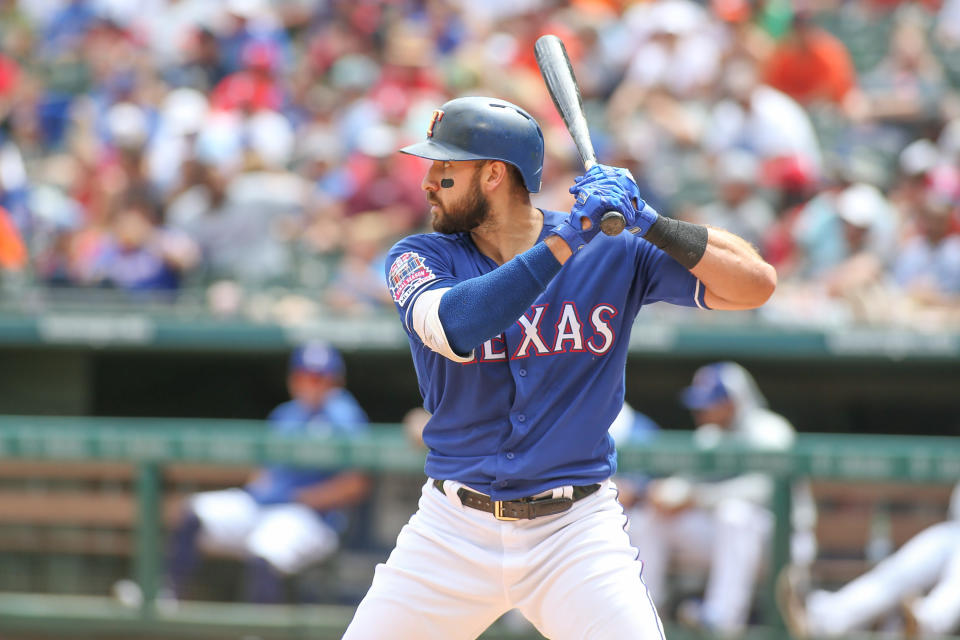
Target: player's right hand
593	200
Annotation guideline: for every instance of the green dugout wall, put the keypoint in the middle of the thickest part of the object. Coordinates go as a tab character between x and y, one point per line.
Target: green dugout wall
855	380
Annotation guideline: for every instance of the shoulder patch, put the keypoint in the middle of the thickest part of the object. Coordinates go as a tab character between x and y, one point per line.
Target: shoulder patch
407	273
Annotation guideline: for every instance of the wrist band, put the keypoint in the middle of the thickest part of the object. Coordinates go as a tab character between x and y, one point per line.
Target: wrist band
685	242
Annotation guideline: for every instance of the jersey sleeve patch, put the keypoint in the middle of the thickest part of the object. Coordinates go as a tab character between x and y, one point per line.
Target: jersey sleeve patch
408	273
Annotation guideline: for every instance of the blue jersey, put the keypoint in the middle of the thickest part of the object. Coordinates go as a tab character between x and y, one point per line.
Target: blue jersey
339	415
531	410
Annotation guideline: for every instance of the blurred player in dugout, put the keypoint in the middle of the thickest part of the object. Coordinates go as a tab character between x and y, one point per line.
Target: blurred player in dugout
921	580
285	519
720	526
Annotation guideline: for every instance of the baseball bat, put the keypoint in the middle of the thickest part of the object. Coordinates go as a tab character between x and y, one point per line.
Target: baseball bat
558	75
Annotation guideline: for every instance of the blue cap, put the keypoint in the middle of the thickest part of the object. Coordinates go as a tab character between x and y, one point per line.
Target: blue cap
319	358
707	388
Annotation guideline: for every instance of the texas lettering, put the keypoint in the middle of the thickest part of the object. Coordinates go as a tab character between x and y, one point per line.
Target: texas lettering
543	334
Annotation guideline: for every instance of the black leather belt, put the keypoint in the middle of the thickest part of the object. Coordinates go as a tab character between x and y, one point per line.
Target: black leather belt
521	508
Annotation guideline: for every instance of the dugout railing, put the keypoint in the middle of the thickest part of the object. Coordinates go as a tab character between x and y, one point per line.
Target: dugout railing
150	445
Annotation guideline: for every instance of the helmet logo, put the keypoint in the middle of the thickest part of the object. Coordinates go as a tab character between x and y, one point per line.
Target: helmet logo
434	119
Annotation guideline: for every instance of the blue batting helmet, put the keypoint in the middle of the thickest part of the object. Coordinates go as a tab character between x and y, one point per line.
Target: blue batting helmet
485	129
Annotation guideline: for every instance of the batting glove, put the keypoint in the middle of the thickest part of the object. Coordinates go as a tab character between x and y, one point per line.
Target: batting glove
599	172
601	175
592	202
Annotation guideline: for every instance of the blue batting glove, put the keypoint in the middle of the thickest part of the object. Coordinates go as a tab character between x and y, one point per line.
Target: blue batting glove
602	171
583	223
646	216
603	176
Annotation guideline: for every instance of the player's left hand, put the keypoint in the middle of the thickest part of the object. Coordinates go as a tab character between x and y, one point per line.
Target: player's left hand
602	176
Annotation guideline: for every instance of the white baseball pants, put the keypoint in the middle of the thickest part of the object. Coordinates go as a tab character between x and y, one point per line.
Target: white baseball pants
928	561
288	536
455	570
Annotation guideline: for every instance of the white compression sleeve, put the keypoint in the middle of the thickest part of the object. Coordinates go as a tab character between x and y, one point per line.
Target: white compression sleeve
427	325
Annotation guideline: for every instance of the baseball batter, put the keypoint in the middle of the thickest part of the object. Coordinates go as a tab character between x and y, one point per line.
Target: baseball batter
519	321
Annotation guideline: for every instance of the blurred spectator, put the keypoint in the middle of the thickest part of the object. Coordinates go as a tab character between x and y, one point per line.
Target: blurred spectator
122	164
921	580
68	25
746	34
256	86
810	65
675	63
381	181
174	29
845	230
244	22
756	118
408	75
357	285
915	162
61	242
679	51
14	29
14	185
927	267
181	117
9	77
13	253
203	66
903	96
738	207
775	17
200	191
948	142
866	240
719	525
793	185
285	519
139	256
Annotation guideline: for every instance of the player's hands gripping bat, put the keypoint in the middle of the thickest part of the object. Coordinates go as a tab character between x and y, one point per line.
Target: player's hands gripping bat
558	75
639	215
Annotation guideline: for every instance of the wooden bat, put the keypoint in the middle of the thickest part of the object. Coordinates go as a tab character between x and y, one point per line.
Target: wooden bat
558	75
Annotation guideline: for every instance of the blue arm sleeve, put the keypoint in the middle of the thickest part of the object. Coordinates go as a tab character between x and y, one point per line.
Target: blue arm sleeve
479	308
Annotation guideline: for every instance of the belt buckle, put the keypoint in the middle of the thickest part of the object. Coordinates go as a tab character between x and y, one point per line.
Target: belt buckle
498	512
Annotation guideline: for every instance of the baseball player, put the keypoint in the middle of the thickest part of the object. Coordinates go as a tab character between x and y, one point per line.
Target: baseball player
922	579
720	526
285	518
519	321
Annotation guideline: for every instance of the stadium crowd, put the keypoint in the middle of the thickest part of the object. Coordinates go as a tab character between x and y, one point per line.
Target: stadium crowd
238	147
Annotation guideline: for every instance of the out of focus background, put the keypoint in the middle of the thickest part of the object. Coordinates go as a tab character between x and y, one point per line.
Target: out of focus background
190	189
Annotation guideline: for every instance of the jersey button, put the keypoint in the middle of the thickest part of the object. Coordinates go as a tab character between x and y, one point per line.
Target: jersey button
521	418
510	455
522	372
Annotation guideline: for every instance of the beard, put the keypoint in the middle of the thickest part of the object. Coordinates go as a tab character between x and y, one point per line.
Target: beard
466	214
